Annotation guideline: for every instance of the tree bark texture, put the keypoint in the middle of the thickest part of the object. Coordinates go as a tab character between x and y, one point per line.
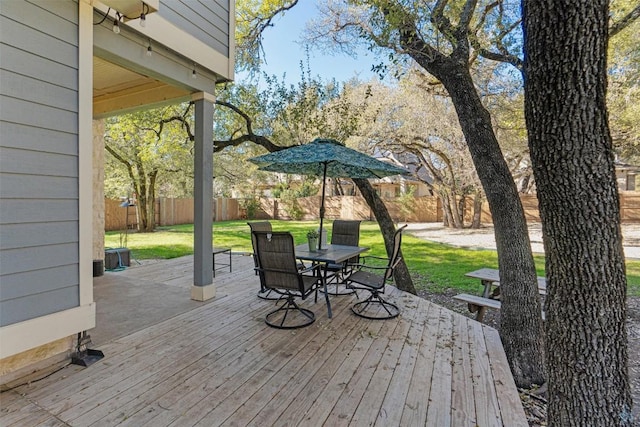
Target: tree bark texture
521	328
573	165
151	201
387	228
476	222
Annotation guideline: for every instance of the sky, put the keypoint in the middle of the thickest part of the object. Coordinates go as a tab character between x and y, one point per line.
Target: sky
283	51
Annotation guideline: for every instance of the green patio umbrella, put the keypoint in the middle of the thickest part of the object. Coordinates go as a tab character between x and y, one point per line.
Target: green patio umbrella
325	158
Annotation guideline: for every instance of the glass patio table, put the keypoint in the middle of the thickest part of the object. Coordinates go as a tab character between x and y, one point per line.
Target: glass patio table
331	254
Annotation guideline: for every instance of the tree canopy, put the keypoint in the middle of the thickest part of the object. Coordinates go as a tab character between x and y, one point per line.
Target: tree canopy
149	150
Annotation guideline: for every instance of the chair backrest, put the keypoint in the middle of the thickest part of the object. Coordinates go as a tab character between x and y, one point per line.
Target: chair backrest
257	226
277	260
395	258
345	232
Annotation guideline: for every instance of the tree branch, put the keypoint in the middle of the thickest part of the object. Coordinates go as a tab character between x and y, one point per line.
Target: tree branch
245	116
488	8
465	18
502	55
220	145
177	118
442	23
251	44
250	136
265	22
410	39
627	20
117	155
495	56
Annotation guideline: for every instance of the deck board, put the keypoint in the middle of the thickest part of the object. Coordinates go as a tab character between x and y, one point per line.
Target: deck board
487	409
370	405
19	412
417	402
439	410
174	371
320	409
353	393
510	405
391	408
219	364
307	387
140	361
462	411
261	388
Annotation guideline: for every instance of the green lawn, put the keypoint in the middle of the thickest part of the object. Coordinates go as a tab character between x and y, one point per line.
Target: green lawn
433	265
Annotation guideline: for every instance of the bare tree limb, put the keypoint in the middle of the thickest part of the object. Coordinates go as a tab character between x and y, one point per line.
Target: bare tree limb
410	39
256	24
219	145
627	20
495	56
117	155
465	18
177	118
250	136
442	23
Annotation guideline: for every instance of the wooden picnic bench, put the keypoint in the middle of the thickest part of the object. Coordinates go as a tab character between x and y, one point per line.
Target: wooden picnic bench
490	277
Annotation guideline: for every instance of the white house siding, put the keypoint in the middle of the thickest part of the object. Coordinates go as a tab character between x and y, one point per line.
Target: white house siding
39	272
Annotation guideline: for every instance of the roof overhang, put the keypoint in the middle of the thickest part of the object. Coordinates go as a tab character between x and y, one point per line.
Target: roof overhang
145	67
117	90
131	9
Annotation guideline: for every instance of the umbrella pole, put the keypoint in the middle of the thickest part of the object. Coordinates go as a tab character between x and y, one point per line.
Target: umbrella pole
324	180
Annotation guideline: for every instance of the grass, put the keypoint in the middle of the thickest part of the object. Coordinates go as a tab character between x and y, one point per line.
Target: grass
434	266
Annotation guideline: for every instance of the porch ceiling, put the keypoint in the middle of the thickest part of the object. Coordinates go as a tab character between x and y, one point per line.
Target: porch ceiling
116	88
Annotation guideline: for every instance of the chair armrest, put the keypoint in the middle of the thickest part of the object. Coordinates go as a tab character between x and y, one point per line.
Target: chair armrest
310	269
277	270
384	258
368	267
373	257
364	259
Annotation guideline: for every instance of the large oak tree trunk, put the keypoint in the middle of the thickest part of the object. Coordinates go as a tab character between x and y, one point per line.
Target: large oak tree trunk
521	327
521	324
401	273
573	164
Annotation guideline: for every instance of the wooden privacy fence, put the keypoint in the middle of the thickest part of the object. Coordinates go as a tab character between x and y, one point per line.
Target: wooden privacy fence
168	212
422	209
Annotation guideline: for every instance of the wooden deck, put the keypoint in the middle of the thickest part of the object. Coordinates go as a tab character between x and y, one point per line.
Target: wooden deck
219	364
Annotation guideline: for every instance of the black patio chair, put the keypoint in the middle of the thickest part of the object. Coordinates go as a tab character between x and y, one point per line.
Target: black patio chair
279	272
344	232
264	293
373	279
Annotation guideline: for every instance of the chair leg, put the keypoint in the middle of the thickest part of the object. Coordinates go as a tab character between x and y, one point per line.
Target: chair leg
340	279
269	295
289	307
360	308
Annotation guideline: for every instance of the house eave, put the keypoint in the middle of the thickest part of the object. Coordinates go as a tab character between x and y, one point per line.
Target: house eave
132	8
